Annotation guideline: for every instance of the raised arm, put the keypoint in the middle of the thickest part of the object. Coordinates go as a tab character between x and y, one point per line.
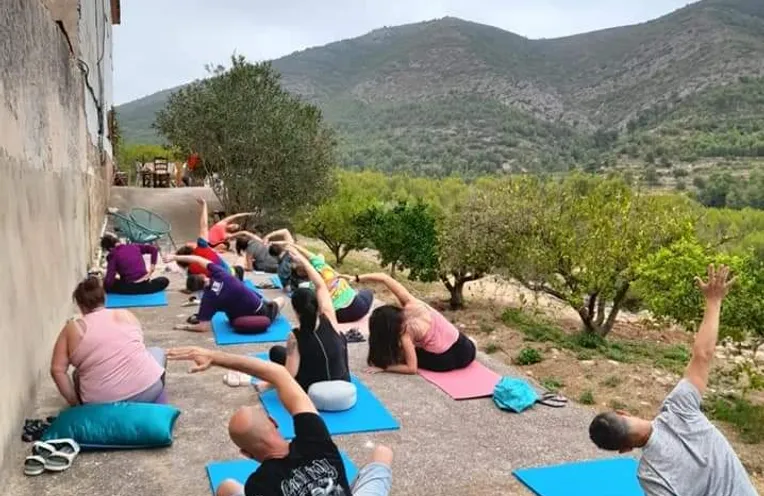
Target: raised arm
233	217
292	396
188	259
245	234
282	234
398	289
204	226
704	348
325	305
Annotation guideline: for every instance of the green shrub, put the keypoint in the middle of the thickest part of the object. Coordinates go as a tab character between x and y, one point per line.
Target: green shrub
492	348
746	417
612	381
586	398
528	356
552	384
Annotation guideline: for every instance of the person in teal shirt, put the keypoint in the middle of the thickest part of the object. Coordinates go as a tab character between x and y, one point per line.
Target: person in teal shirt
350	305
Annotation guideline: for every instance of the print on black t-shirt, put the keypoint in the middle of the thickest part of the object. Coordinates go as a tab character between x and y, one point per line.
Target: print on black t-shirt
313	466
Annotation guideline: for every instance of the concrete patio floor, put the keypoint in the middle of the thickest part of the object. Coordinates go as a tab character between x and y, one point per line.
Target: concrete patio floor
443	446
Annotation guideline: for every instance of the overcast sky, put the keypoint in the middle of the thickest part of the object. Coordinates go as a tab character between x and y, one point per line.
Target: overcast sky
165	43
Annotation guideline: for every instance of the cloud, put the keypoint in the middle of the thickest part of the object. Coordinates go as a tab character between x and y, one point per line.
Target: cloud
164	43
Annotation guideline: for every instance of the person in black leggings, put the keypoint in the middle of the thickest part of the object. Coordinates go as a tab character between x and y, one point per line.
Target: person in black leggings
126	270
315	351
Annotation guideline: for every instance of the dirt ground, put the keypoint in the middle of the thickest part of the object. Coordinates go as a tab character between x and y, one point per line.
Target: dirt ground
636	387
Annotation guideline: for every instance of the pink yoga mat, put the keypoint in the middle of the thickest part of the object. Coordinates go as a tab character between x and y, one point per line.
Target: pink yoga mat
474	381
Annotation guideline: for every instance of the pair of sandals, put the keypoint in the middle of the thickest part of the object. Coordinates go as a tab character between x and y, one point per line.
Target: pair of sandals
35	428
354	336
55	456
236	379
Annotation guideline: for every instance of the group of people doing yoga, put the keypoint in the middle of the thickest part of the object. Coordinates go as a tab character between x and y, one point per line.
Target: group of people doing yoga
682	452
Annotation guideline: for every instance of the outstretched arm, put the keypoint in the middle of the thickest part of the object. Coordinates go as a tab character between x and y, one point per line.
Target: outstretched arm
325	304
398	289
204	227
188	259
708	333
291	394
233	217
245	234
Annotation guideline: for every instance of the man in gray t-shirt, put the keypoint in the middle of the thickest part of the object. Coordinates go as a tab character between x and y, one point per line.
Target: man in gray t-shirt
683	454
256	253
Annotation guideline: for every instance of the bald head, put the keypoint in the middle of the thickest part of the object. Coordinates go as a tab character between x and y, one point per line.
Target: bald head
255	434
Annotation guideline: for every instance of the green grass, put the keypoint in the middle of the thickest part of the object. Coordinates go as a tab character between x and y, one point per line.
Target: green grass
612	381
528	356
746	417
586	398
618	405
587	346
492	348
552	384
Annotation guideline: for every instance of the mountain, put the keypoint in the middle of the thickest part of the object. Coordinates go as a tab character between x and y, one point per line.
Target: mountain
455	96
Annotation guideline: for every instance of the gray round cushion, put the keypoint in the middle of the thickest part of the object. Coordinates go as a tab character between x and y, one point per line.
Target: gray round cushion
333	396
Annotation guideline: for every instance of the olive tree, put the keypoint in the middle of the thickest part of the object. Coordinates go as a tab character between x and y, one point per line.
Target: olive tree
272	152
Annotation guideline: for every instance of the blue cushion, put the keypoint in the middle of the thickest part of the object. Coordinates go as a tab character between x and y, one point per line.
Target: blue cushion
116	425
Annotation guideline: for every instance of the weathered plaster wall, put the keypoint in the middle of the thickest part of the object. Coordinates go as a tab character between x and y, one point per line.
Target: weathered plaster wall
53	189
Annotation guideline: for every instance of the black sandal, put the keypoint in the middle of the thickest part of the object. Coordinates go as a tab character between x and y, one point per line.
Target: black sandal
553	400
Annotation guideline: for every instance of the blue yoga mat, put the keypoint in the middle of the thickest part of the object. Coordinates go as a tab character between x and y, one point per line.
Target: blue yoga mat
368	414
240	470
276	281
131	301
225	335
611	477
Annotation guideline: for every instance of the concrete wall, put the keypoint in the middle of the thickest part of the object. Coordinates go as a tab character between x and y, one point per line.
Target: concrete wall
53	191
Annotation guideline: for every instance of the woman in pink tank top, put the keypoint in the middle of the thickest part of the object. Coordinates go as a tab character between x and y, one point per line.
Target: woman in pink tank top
106	349
413	335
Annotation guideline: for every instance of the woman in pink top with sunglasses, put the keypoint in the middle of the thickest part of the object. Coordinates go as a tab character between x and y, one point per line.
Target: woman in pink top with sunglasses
412	335
106	349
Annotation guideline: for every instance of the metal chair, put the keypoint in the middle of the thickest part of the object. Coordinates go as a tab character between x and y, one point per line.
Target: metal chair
131	230
151	222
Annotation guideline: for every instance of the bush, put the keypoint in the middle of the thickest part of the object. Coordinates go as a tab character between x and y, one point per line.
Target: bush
747	418
612	381
586	398
552	384
528	356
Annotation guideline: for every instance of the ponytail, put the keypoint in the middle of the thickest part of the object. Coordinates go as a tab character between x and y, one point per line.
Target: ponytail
305	305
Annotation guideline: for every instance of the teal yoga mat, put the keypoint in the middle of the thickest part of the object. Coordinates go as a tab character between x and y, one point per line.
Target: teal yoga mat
610	477
240	470
132	301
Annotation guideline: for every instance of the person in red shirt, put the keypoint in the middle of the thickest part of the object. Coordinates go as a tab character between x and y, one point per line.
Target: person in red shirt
197	274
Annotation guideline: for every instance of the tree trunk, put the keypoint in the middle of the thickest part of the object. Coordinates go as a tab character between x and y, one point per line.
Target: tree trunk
595	321
340	252
457	295
393	265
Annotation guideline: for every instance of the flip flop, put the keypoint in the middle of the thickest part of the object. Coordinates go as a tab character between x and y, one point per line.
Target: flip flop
193	320
64	446
34	465
553	400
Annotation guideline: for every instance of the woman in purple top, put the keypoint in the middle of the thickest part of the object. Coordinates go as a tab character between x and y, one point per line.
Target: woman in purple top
247	311
126	270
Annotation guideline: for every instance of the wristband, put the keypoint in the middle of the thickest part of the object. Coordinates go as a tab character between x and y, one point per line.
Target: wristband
357	278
